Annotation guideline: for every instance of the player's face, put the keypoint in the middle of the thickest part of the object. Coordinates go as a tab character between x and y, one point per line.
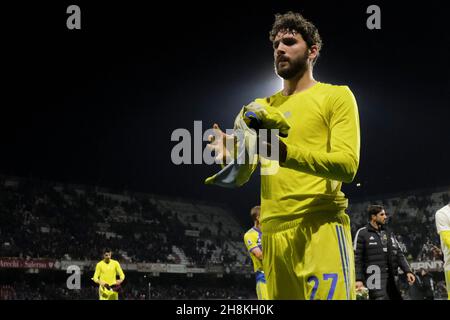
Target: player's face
290	55
107	256
381	217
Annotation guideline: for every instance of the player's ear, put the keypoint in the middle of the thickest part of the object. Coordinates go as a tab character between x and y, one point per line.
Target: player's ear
313	52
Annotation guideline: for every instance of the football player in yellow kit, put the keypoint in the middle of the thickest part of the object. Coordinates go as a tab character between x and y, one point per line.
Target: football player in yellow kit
306	236
106	272
252	239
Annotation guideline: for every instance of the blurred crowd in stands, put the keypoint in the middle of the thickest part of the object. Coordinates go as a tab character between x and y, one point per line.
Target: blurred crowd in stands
22	291
47	220
40	220
136	287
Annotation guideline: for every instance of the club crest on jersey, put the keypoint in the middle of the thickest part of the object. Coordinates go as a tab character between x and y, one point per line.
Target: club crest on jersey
384	238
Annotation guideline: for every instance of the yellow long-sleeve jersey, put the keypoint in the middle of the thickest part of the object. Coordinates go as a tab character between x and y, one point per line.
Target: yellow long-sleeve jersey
108	272
252	240
323	149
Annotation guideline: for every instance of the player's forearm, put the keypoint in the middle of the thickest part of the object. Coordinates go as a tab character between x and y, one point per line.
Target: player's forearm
257	252
404	265
359	253
340	166
359	270
121	274
259	256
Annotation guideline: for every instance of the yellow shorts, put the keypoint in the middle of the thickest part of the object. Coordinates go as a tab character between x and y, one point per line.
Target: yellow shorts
310	258
105	294
261	290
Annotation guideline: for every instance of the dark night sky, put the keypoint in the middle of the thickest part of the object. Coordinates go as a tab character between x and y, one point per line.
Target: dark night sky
98	106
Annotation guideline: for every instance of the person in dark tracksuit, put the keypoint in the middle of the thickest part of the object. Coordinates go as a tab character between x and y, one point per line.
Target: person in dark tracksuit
415	291
423	287
427	285
377	258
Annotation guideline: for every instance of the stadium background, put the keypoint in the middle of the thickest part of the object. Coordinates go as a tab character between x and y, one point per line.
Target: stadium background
169	248
85	136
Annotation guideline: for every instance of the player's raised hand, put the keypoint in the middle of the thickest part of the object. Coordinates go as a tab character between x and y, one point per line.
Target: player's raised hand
223	145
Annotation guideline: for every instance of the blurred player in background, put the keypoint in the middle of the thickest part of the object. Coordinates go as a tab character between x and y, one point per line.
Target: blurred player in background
443	228
252	239
378	255
306	235
106	272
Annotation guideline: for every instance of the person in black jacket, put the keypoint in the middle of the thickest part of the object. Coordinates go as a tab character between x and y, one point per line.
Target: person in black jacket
423	287
377	258
427	285
415	291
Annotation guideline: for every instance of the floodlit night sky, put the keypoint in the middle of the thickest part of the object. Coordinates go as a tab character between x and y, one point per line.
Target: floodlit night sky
98	105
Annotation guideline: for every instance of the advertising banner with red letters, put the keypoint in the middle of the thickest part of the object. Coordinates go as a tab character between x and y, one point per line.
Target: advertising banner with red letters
18	263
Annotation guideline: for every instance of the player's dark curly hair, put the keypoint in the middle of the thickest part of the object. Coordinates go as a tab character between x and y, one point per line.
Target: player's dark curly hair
292	21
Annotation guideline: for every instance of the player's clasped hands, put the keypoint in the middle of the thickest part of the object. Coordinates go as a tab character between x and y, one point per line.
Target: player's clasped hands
223	145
